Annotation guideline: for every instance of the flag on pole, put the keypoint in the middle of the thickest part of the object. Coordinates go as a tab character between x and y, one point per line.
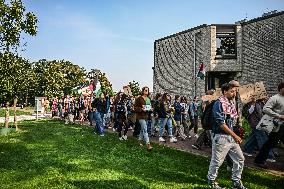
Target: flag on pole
201	72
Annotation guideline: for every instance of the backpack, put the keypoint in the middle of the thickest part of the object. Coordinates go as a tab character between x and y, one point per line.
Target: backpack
129	105
207	118
120	107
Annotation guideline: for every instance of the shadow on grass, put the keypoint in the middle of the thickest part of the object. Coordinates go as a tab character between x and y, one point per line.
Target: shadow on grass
114	184
13	156
75	150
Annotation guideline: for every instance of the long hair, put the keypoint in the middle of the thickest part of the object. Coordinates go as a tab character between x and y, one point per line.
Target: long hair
141	93
164	97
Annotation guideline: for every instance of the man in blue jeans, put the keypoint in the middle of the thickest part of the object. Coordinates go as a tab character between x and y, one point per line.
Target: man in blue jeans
95	115
225	141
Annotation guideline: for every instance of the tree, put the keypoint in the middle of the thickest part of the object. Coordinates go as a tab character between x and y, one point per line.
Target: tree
55	78
106	86
135	88
16	77
14	22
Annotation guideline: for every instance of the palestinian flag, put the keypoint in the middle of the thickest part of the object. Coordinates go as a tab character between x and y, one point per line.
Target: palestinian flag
201	72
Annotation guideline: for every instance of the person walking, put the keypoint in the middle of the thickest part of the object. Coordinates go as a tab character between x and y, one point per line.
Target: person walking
142	106
193	108
225	141
274	108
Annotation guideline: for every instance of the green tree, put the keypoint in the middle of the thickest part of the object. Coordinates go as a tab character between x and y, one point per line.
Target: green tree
106	86
55	78
14	22
15	79
135	88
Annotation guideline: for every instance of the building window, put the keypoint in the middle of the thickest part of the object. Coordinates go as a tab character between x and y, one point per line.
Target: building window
225	41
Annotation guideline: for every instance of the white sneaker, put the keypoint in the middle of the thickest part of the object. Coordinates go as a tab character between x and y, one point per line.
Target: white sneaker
161	139
173	140
120	138
247	154
124	137
196	136
271	160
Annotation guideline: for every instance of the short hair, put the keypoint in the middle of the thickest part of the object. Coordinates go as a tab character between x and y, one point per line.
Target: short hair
226	87
158	95
280	86
234	83
177	97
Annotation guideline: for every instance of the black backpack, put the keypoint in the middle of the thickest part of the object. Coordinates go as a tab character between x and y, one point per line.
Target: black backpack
207	118
120	107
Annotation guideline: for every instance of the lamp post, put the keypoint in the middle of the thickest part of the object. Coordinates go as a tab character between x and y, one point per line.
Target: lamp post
194	63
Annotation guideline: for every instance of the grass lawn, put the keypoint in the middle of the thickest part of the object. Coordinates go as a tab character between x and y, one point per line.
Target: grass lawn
11	112
49	154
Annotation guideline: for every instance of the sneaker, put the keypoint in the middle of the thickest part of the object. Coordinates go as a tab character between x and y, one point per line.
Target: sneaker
124	137
120	138
196	136
247	154
173	140
161	139
149	147
113	129
271	160
195	147
102	135
189	137
213	184
238	185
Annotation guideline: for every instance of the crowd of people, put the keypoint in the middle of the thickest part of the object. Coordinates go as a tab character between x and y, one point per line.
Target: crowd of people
180	118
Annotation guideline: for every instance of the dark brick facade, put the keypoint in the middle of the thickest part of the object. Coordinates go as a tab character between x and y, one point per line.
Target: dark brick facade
259	56
263	52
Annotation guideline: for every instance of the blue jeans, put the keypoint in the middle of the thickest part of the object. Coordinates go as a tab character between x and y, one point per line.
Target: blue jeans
143	131
259	137
103	118
163	123
96	116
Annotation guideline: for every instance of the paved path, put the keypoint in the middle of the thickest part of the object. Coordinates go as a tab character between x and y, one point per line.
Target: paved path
24	117
276	168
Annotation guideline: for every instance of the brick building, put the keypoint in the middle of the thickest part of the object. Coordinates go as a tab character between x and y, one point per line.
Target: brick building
248	51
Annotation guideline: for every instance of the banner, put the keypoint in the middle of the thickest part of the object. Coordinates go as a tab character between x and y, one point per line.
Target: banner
246	92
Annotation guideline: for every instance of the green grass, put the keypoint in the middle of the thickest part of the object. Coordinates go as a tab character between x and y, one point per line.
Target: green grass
49	154
11	112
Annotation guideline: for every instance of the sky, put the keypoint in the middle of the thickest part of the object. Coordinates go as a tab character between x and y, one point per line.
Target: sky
117	36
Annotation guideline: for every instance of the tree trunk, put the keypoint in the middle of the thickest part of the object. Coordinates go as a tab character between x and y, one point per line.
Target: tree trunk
7	116
15	114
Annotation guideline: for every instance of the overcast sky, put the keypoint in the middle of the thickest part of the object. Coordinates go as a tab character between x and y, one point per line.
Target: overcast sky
117	36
